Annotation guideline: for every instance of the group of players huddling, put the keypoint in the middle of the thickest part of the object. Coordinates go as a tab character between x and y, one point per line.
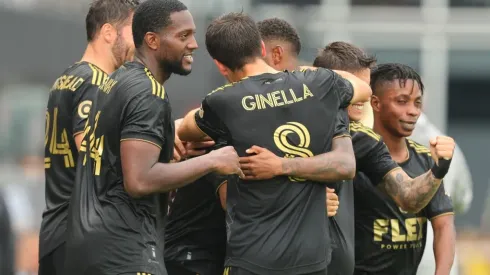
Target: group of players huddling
249	183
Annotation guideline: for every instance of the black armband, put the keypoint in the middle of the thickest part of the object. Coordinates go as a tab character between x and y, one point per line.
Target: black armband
439	171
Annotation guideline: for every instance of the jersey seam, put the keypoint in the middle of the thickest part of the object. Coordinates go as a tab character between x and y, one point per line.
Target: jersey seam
144	140
442	214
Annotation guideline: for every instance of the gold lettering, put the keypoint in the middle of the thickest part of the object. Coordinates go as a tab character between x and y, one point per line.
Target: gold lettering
67	82
273	99
285	99
276	98
306	92
421	221
107	86
396	235
77	84
257	101
265	100
293	95
380	228
96	145
411	226
250	106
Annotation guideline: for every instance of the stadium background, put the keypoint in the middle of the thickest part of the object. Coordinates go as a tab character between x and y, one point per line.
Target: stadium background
447	41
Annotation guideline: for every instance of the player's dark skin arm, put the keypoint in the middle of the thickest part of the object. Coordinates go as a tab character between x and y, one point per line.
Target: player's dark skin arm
444	243
144	175
337	165
412	195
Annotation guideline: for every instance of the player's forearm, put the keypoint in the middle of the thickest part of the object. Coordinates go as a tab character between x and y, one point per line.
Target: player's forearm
163	177
362	90
327	167
412	195
188	130
444	248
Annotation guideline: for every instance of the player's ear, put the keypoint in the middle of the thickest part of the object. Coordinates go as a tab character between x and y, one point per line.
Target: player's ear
108	33
276	54
152	40
263	50
222	68
375	103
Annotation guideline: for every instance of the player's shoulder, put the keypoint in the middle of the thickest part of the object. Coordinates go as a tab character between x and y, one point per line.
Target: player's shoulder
359	130
419	151
136	78
90	72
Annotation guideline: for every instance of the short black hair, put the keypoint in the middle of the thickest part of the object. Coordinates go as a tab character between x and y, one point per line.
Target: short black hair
344	56
394	71
153	16
107	11
275	28
233	39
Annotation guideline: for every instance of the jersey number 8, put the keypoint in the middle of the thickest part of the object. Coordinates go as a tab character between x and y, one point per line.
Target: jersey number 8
283	142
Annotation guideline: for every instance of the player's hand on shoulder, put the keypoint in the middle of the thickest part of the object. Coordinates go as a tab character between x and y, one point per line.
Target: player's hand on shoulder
442	147
332	202
226	161
261	165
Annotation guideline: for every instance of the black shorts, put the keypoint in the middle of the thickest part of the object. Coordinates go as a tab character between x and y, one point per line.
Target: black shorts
194	267
233	270
53	263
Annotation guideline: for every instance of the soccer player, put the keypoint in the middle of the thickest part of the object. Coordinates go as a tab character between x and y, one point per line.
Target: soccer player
277	226
118	206
390	240
371	156
195	232
110	44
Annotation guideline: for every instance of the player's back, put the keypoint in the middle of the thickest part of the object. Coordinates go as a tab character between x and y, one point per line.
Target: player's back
108	228
68	106
278	225
388	239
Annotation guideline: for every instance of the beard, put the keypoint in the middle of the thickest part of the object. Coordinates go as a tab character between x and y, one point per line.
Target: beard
121	52
174	67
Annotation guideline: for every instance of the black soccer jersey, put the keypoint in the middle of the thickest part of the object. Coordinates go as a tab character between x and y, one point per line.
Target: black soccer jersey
69	103
374	159
195	228
109	231
389	240
277	226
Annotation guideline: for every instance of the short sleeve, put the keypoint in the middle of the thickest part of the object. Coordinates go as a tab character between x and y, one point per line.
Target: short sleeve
145	119
216	180
342	124
210	123
440	204
329	81
372	156
82	102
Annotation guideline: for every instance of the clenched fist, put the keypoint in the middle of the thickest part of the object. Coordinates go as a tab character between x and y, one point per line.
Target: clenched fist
442	147
226	161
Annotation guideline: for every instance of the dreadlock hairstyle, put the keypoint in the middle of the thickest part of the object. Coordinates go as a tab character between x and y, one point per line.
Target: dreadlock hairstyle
389	72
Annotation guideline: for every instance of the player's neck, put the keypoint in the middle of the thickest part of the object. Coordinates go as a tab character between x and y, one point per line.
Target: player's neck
156	70
257	67
98	56
396	145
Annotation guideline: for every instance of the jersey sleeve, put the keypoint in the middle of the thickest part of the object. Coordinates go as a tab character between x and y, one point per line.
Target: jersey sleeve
82	102
329	81
209	122
440	204
342	124
145	118
372	156
216	180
